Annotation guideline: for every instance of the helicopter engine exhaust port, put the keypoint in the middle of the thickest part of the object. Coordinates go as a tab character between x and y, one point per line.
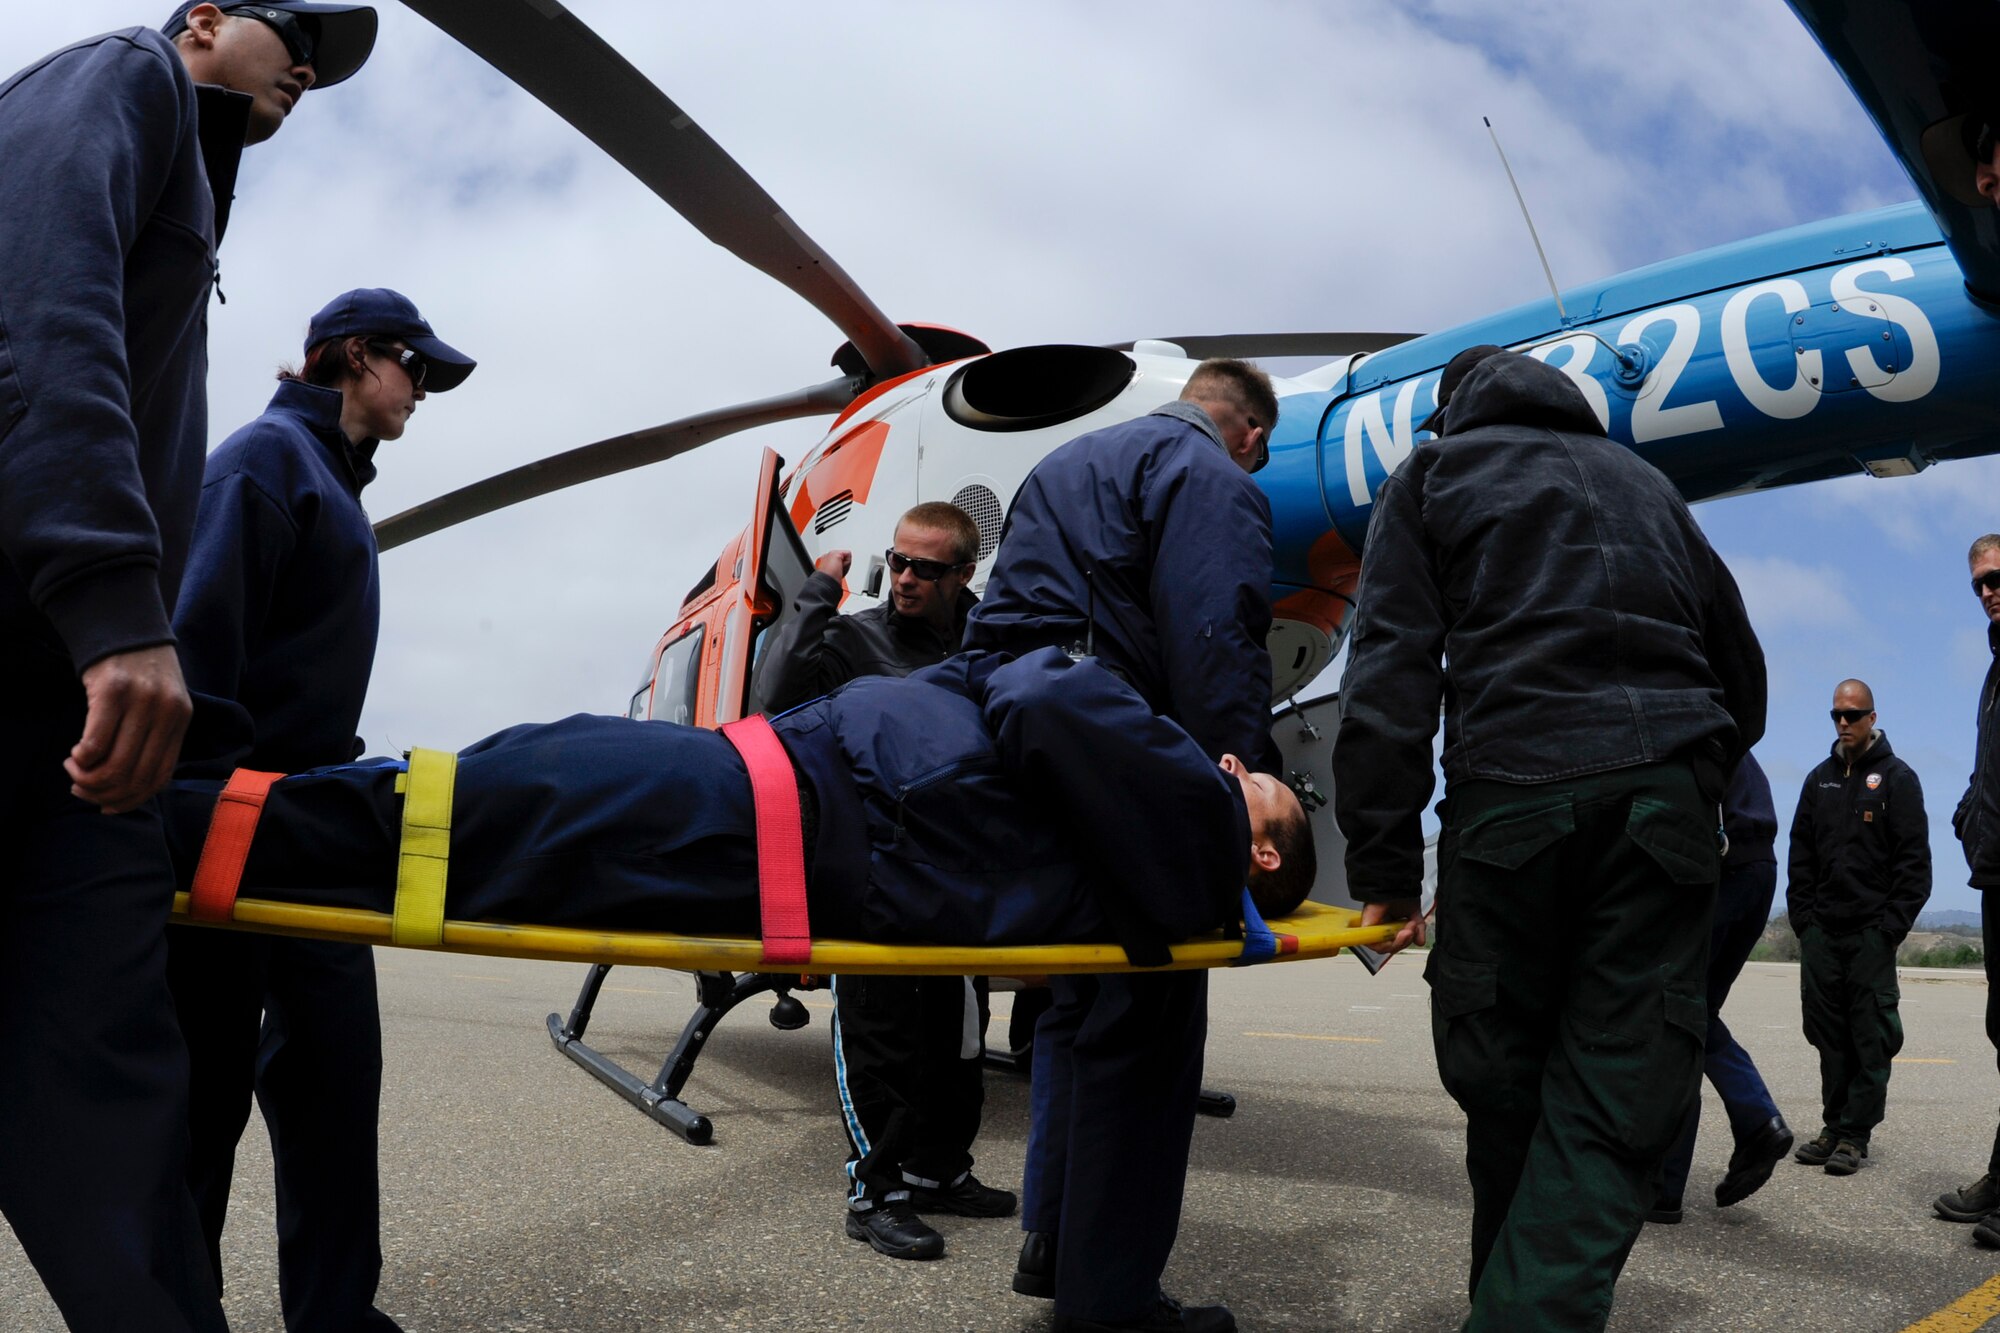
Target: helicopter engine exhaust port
1028	388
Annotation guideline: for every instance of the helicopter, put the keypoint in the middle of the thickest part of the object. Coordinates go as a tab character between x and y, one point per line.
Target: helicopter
1852	345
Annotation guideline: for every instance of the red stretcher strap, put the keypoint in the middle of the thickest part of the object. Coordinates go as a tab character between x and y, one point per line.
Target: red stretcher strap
781	855
226	850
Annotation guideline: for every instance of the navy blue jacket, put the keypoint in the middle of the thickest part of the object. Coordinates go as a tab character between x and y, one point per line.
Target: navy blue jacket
1587	624
1149	532
1861	845
1749	817
108	227
979	802
281	603
1976	821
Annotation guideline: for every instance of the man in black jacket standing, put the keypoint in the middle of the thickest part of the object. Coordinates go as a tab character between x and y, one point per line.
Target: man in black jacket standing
1603	677
907	1059
120	158
1860	871
1976	821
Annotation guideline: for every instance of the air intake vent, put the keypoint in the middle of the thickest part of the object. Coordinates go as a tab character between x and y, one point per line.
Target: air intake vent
979	501
834	511
1029	388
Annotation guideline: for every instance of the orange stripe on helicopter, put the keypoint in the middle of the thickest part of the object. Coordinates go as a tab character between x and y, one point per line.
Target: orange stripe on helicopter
1332	566
848	465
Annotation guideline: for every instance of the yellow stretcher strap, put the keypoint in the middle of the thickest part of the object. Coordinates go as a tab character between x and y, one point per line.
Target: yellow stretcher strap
418	919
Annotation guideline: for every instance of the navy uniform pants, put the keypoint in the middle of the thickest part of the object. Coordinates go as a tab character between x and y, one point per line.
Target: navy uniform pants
297	1022
910	1076
93	1104
1742	906
1117	1076
1566	1008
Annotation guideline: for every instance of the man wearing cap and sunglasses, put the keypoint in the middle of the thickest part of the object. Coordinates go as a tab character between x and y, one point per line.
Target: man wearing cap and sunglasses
908	1065
278	613
1859	872
118	157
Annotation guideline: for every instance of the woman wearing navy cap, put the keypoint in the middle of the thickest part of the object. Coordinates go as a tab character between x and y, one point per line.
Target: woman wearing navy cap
279	612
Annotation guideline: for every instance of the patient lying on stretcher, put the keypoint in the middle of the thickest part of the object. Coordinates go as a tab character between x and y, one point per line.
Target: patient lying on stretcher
984	801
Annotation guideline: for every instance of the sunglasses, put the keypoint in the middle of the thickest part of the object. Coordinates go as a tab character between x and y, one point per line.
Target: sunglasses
1987	582
1849	714
409	358
930	571
299	39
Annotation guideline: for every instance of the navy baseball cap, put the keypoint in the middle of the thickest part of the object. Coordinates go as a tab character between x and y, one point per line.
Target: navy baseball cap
377	312
342	35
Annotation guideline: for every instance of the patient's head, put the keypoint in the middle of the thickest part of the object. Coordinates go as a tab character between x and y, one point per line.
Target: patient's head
1282	862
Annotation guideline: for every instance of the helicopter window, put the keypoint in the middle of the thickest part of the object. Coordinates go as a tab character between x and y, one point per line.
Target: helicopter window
675	678
1028	388
703	584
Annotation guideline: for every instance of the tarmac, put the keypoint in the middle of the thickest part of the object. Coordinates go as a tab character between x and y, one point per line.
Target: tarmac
520	1195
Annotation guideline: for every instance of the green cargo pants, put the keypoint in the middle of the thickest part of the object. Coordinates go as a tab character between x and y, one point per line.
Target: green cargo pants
1848	993
1567	985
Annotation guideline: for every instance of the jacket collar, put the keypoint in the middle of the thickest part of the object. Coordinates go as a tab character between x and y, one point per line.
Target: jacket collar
1194	415
318	409
223	123
1877	750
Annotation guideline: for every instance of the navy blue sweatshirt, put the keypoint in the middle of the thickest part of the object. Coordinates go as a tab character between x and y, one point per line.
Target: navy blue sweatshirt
1147	533
281	603
108	226
1750	817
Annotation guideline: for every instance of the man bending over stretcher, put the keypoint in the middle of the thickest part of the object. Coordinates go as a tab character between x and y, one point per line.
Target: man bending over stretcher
983	801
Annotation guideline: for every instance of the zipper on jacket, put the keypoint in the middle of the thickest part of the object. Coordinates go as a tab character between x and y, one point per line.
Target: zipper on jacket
926	780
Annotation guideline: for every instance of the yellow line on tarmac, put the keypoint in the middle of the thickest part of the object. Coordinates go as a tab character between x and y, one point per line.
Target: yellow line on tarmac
1968	1312
1922	1060
1311	1036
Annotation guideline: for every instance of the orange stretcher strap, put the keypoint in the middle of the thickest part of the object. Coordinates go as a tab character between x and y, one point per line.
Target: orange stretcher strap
226	850
781	856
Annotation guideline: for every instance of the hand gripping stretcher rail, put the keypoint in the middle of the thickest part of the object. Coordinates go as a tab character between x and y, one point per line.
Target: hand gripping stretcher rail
774	960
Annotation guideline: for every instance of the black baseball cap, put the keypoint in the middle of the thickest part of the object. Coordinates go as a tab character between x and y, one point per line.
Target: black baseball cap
1454	371
343	35
377	312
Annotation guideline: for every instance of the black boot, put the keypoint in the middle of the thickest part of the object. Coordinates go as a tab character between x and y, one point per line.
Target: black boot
894	1229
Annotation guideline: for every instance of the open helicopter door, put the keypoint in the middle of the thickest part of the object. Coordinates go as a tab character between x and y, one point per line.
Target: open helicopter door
771	566
1305	734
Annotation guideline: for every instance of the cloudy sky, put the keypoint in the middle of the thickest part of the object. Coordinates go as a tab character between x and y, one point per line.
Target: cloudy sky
1036	172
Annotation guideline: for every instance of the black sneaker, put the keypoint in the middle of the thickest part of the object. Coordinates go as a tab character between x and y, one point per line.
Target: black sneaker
1750	1165
1846	1158
967	1198
1035	1270
1974	1203
1169	1316
895	1230
1987	1233
1665	1212
1816	1152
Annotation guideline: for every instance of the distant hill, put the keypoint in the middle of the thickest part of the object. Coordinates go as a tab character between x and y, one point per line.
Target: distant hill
1938	920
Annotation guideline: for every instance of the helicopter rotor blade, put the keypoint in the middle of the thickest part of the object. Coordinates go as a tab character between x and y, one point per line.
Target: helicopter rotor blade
556	58
1202	345
606	458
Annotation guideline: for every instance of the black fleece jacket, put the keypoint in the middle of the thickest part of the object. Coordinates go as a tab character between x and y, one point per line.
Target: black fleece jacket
1861	845
818	650
1587	623
1977	819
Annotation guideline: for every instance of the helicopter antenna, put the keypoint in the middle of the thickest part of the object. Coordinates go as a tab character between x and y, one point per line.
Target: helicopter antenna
1532	233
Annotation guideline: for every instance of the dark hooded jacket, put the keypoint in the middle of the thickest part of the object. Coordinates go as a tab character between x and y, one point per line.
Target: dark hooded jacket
1977	819
1587	624
118	173
282	601
1146	542
1861	845
819	649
